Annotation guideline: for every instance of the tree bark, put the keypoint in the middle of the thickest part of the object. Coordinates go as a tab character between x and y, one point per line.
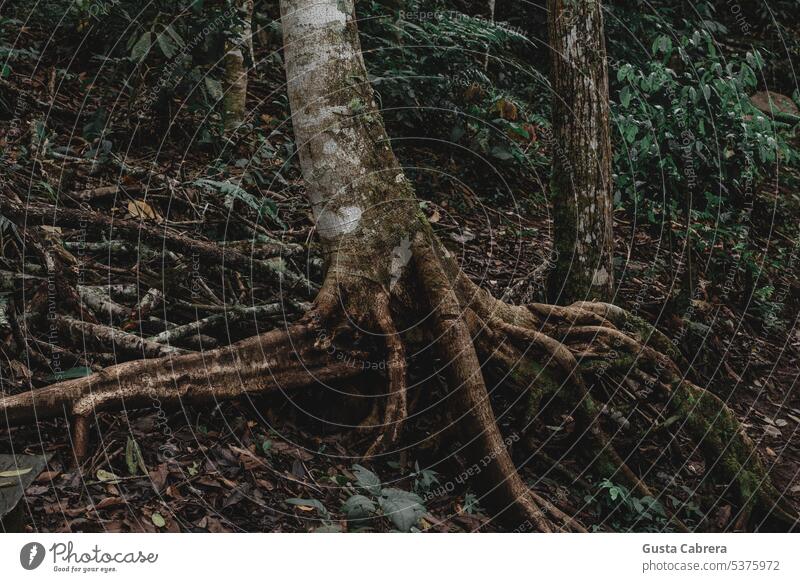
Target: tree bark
379	247
581	187
236	66
363	205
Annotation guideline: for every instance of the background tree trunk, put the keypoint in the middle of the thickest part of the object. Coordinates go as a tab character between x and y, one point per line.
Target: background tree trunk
236	67
581	187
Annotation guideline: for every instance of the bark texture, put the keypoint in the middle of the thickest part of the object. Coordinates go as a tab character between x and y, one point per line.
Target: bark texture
362	203
581	188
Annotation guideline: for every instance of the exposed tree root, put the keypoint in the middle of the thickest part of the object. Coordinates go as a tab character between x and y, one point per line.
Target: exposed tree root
396	409
543	350
498	480
574	338
730	454
278	360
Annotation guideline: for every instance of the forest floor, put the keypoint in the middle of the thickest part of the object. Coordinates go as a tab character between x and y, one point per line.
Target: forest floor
288	462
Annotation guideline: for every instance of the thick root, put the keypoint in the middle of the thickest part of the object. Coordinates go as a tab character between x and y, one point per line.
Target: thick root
363	307
603	458
577	338
275	361
396	410
497	478
730	454
544	351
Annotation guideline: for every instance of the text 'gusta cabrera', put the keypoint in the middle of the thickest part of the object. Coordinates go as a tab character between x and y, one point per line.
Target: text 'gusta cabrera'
683	549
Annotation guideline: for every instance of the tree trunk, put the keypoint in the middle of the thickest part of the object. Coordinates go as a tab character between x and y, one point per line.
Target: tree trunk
236	46
581	188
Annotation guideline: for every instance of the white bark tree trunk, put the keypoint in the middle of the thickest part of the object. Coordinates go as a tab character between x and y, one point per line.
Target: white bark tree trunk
359	195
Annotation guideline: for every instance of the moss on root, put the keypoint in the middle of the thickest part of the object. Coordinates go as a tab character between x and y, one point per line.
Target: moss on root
730	454
627	348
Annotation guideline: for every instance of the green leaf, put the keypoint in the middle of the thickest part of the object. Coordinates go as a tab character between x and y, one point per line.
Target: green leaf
367	480
158	520
358	507
313	503
15	472
71	374
402	507
670	421
106	476
501	153
623	71
519	130
174	35
133	457
662	44
166	45
142	47
625	97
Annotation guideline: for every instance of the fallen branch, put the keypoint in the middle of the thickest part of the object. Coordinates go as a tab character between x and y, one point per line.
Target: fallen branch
230	316
101	304
273	270
8	279
107	339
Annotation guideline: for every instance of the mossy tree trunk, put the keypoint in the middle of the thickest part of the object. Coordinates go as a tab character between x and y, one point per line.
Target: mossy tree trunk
581	187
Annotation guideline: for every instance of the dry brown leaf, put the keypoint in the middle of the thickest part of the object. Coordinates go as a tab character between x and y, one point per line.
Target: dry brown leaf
141	209
47	476
284	448
109	502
